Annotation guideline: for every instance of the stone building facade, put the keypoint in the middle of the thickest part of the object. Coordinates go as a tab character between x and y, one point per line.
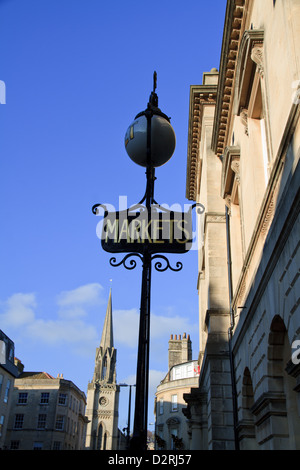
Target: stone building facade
103	393
171	427
243	166
46	413
8	372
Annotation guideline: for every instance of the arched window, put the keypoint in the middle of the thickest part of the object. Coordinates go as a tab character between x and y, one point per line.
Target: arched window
281	387
99	438
104	367
251	107
105	441
247	429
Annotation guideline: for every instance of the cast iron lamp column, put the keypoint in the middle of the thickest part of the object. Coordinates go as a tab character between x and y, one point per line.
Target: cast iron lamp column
151	131
129	414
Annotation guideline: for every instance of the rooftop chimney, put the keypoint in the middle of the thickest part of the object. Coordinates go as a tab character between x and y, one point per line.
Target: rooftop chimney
180	350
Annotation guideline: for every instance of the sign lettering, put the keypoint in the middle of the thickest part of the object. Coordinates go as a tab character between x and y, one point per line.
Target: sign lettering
161	231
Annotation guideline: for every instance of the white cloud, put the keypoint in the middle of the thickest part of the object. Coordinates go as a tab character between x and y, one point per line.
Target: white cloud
126	327
18	310
83	295
71	324
163	325
155	377
72	312
74	304
67	328
78	335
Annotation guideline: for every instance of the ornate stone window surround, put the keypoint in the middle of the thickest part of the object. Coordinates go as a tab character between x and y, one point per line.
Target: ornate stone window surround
250	59
230	175
250	100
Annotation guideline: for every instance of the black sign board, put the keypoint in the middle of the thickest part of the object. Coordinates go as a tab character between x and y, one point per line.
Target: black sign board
160	229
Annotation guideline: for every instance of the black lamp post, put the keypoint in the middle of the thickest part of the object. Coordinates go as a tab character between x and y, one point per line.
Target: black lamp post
160	144
150	142
129	414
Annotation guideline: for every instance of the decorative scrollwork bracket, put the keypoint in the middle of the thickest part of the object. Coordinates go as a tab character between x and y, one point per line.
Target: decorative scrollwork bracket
130	265
159	266
95	208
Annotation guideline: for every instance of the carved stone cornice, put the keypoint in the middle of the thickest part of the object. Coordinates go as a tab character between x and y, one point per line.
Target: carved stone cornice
103	414
230	46
268	216
197	403
200	95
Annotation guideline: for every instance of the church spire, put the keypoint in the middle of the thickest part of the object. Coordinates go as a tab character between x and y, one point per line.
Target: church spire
106	354
103	392
107	340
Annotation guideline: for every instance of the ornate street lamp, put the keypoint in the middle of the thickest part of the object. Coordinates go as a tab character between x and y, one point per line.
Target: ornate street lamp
150	142
150	139
144	231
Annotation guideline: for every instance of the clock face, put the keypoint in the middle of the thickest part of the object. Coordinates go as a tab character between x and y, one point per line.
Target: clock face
103	401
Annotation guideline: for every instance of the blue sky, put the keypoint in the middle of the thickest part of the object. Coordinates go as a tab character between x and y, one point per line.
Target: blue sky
76	74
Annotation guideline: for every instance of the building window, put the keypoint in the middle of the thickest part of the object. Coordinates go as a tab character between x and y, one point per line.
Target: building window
174	433
183	371
2	352
251	105
174	406
44	398
62	399
22	400
7	391
59	424
104	368
19	419
37	446
41	424
11	355
257	127
56	445
14	445
1	424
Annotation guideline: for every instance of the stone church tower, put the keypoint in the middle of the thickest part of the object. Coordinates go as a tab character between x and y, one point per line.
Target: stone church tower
103	393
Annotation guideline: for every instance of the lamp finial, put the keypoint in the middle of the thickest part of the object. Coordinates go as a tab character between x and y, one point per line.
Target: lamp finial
154	81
